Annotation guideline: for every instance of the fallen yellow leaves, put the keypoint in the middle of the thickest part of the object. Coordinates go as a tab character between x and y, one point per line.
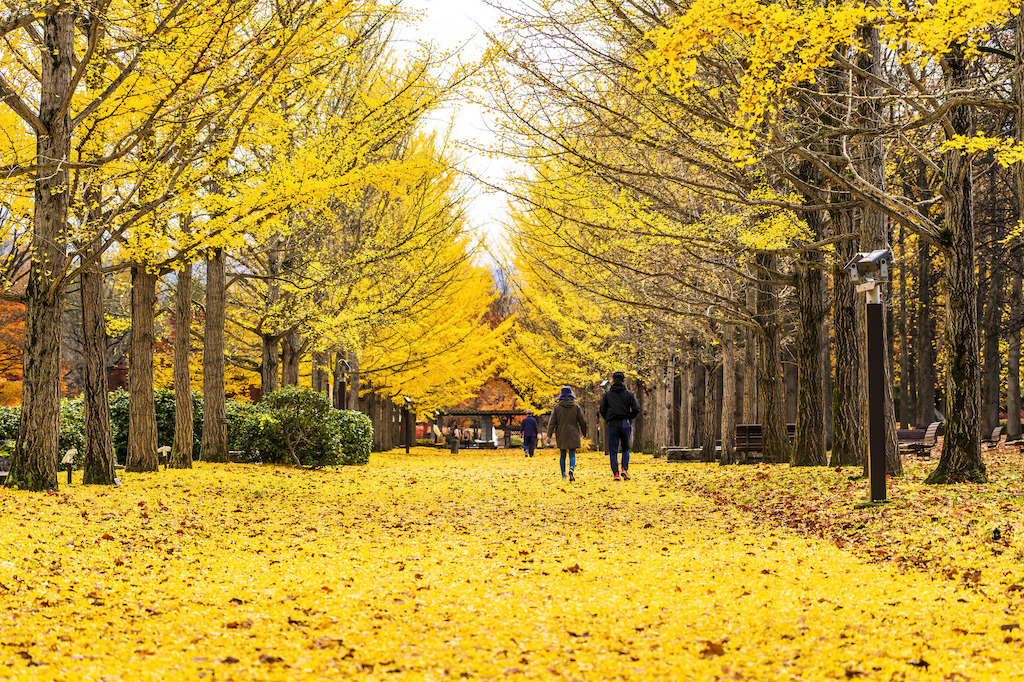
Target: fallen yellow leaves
483	565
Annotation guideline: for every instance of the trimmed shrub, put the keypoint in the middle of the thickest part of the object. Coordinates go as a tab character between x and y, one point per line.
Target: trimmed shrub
355	435
71	433
298	423
291	419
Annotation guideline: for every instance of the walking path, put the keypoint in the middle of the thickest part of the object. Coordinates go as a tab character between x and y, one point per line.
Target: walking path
481	566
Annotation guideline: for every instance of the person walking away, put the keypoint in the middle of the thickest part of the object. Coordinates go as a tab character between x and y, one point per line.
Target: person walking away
619	408
567	423
529	433
456	436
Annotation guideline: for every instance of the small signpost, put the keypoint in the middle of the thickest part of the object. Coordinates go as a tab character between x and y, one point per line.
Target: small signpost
69	461
869	270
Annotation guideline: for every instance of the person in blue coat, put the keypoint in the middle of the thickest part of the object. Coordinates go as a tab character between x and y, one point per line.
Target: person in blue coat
529	433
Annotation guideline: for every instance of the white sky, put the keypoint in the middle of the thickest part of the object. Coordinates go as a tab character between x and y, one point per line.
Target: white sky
450	24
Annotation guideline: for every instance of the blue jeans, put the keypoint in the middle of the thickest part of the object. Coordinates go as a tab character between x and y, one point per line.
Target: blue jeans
572	460
529	445
618	437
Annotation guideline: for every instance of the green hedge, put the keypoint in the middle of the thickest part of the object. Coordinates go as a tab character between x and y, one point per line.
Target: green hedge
296	420
322	435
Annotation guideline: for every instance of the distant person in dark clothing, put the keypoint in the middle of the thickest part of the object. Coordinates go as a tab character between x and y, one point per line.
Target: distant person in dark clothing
619	408
529	433
567	423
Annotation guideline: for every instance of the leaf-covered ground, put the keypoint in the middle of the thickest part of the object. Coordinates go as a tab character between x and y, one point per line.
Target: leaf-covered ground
486	565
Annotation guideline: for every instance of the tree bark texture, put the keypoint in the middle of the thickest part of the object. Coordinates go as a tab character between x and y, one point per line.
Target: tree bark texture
812	356
697	380
662	406
670	400
142	436
874	234
770	395
99	448
214	447
960	460
319	380
291	354
270	336
707	453
750	413
354	382
926	374
1013	403
906	408
1013	398
34	464
992	318
181	448
685	393
269	368
728	454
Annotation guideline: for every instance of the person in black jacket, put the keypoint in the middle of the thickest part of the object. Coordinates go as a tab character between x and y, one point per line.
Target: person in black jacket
619	408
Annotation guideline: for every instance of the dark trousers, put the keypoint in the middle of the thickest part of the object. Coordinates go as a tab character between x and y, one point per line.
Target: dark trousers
618	437
529	445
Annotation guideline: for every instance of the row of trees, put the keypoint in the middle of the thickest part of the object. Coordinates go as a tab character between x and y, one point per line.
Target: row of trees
701	172
281	144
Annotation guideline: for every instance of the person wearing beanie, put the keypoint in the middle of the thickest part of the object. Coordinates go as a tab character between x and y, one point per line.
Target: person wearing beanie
619	408
567	423
529	433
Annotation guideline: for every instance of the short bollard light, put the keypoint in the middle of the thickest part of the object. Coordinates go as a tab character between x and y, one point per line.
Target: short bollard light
69	461
869	271
164	451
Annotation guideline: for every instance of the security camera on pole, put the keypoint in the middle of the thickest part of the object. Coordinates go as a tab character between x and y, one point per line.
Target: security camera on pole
869	270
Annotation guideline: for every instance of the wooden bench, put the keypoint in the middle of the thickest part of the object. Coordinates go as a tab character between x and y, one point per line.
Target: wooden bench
997	433
750	438
921	444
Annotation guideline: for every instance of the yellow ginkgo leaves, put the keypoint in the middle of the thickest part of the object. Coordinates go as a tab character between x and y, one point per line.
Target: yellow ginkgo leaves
482	565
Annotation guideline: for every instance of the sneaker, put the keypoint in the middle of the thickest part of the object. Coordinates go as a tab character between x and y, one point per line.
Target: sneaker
572	475
616	477
563	477
625	474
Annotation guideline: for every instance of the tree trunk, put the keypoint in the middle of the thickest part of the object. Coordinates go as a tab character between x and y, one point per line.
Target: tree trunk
214	447
770	378
707	453
960	460
663	406
685	392
271	337
991	358
1013	406
319	379
812	356
906	409
269	365
874	234
697	400
728	455
99	448
34	464
142	436
1013	399
291	353
926	372
750	412
354	381
181	449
